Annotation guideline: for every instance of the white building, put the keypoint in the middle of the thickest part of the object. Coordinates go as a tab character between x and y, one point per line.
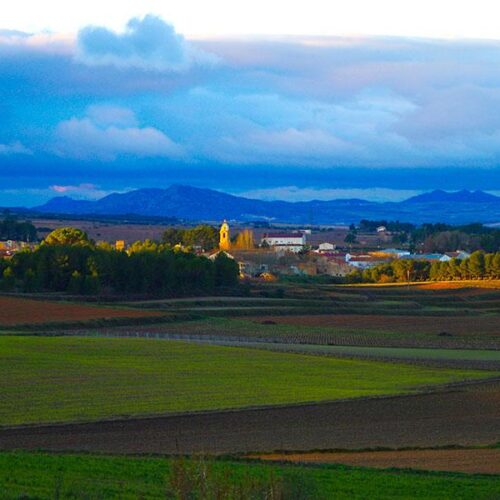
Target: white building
288	242
459	254
326	247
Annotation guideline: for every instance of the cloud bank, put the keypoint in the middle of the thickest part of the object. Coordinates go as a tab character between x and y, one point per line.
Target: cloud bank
107	133
149	103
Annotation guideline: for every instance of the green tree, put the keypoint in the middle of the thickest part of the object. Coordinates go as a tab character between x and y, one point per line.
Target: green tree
476	264
75	285
404	269
68	236
350	239
8	282
204	236
226	270
30	281
172	236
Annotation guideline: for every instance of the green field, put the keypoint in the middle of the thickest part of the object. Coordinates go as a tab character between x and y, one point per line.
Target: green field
44	476
58	379
377	352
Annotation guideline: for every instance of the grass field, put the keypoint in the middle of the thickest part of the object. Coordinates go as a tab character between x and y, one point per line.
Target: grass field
19	311
393	353
67	379
44	476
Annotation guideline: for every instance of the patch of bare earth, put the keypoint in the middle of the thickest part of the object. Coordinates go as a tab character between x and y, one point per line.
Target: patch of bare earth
409	324
467	415
475	461
19	311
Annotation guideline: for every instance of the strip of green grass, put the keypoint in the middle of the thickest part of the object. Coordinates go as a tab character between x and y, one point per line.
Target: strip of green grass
44	476
379	352
68	379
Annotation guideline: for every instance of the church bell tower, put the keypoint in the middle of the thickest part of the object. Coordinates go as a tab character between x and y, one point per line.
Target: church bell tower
224	241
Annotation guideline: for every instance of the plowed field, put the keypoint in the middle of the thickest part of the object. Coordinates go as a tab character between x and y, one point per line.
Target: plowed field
411	324
16	311
476	461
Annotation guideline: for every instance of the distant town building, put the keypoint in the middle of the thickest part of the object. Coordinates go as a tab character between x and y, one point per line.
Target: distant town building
288	242
459	254
224	241
425	256
394	253
326	247
363	261
216	254
120	245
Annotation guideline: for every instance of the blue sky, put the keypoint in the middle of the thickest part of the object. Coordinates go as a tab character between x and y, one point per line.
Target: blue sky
283	116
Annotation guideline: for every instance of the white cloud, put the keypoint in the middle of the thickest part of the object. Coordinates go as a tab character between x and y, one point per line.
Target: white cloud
148	43
83	190
104	115
294	193
279	130
14	148
88	139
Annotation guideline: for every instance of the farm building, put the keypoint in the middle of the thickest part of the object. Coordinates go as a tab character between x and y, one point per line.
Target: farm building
364	261
326	247
288	242
395	253
459	254
333	265
425	256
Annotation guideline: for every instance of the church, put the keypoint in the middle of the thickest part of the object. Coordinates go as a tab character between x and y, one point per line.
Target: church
224	239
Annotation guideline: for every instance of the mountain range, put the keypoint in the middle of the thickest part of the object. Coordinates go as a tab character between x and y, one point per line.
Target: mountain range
196	204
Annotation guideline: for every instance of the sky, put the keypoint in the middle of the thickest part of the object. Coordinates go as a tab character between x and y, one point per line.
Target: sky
273	100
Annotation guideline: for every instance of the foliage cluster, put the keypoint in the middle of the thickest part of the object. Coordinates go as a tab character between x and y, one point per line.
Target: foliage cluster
67	261
439	237
12	229
479	265
204	236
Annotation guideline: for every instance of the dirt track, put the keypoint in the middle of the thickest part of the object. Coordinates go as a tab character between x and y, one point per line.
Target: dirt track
469	415
475	461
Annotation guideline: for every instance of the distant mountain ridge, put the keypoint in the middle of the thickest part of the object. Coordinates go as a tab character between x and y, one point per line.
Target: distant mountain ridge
463	196
199	204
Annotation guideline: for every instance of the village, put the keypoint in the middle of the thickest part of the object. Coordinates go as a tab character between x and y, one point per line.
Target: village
270	254
302	252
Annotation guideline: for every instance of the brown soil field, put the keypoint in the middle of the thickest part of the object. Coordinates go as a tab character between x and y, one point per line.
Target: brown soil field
19	311
474	461
465	415
462	325
479	286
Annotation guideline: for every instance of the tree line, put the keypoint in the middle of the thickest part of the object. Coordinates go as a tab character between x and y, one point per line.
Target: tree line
479	265
12	229
439	237
68	261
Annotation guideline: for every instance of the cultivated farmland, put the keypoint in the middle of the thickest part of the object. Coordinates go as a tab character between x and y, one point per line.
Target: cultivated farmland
469	460
45	476
66	379
20	311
